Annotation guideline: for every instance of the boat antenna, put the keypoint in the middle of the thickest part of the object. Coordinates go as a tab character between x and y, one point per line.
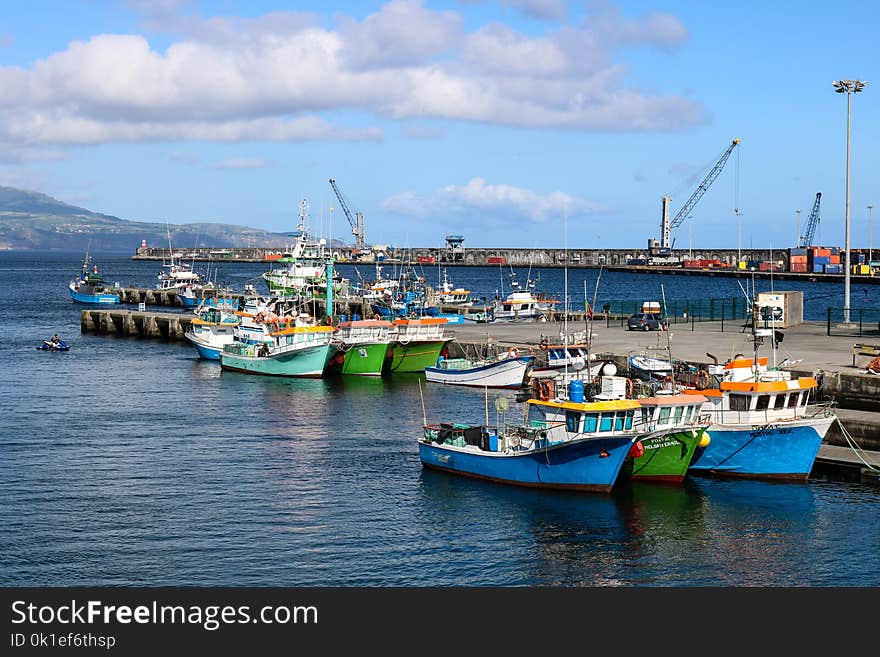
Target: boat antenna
773	336
668	338
486	392
565	305
422	397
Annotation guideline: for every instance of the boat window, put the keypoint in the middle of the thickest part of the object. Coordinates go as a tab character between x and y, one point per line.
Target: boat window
740	402
618	422
606	422
793	399
629	418
664	415
646	414
806	397
572	421
780	400
763	402
591	421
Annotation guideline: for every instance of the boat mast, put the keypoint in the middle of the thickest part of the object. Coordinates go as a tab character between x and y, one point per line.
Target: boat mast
668	339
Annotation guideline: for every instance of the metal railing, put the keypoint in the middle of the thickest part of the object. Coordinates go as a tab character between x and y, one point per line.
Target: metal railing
729	312
862	321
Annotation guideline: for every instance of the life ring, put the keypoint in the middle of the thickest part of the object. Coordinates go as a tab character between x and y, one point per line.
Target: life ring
667	379
544	344
702	380
513	352
629	388
544	390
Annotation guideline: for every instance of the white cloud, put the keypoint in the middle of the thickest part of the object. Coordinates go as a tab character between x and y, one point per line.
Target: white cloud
550	10
271	78
46	129
481	201
402	33
241	163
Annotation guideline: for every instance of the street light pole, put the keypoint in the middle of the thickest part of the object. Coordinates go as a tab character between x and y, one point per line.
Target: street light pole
797	242
870	236
849	87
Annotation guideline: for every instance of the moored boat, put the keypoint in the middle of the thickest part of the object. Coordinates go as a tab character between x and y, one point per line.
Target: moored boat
676	428
417	343
295	351
363	347
556	452
90	287
507	370
763	424
212	330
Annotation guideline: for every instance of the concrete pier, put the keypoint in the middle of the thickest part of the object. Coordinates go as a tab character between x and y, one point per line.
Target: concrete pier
136	324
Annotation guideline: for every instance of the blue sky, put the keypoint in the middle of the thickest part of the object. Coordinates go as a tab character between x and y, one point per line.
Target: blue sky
494	119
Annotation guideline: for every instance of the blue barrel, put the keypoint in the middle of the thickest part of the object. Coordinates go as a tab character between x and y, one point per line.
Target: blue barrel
576	391
355	317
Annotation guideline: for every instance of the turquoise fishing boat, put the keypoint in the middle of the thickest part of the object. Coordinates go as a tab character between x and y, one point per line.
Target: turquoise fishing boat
296	351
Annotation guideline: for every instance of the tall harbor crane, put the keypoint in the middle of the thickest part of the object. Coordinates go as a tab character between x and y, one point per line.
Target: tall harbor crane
356	222
667	226
812	224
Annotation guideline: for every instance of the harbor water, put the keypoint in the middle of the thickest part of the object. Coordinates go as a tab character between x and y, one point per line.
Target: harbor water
131	462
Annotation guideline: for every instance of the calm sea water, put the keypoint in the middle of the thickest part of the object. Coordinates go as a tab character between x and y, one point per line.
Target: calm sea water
129	462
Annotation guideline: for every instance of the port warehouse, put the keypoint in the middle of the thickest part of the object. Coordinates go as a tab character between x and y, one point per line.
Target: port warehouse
819	260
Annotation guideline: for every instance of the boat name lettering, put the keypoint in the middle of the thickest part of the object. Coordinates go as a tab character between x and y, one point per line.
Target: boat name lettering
770	428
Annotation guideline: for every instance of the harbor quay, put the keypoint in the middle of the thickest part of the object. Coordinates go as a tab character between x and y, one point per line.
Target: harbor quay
808	349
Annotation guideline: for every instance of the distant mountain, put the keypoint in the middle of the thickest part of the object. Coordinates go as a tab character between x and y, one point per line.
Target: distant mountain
30	220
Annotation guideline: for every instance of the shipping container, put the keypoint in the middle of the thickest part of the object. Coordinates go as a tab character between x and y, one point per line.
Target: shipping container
798	267
426	260
496	260
781	309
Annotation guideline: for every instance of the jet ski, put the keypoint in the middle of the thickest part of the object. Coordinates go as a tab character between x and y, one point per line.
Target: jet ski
52	345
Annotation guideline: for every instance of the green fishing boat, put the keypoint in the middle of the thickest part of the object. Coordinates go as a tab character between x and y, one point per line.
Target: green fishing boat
363	347
417	343
663	455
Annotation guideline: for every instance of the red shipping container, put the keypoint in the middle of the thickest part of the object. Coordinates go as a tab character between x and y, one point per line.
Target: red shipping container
835	260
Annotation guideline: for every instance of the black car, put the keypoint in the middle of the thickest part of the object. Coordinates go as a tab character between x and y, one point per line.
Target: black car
647	322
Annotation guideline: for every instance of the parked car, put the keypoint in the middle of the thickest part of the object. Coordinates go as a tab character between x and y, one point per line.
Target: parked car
647	322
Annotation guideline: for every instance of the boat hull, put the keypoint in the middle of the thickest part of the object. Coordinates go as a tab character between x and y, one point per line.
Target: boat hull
366	359
415	356
100	298
308	362
576	465
779	451
666	457
509	373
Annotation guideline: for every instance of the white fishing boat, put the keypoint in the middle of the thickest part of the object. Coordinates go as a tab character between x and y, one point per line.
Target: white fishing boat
211	330
521	305
507	370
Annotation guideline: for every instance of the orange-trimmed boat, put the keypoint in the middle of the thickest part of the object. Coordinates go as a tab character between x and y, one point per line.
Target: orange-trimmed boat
765	424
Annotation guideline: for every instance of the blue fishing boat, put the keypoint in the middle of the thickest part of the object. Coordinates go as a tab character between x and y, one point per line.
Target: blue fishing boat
576	445
764	423
90	287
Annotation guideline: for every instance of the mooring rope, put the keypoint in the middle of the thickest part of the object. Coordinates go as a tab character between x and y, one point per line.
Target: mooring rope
854	446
